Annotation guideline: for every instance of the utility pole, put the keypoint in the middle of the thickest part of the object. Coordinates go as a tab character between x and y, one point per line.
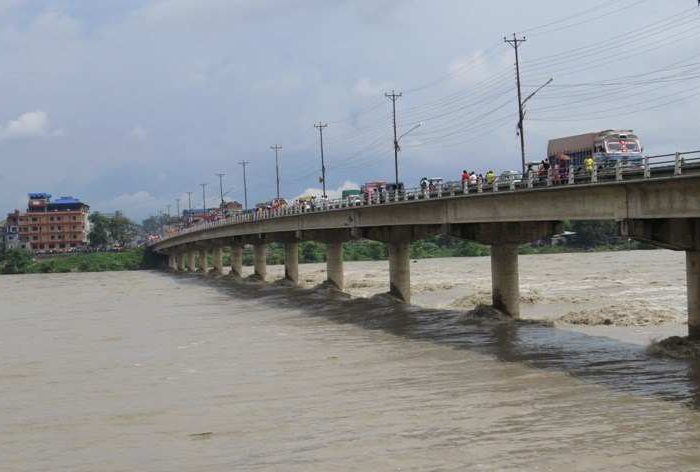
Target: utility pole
221	189
245	184
393	96
177	203
277	148
515	43
320	127
189	206
168	213
204	199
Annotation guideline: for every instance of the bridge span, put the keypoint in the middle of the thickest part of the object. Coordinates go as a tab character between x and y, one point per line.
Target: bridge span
663	210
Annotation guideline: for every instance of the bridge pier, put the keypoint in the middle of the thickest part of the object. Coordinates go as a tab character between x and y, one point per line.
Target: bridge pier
504	239
400	270
291	262
505	281
172	265
334	265
260	260
218	256
190	261
692	269
179	262
203	264
237	261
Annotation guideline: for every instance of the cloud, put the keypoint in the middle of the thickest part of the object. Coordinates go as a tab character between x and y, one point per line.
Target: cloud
135	205
332	194
33	124
367	88
138	133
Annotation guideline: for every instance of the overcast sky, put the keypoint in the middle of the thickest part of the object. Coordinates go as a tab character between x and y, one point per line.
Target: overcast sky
128	104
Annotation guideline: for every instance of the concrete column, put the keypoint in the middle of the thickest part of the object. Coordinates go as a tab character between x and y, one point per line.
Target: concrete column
171	262
203	264
218	256
291	262
181	262
190	261
334	265
400	271
692	270
505	281
260	260
237	261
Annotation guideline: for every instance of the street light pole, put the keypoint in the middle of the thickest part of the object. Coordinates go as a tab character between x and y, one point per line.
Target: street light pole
320	127
221	189
204	199
189	206
277	148
177	203
245	184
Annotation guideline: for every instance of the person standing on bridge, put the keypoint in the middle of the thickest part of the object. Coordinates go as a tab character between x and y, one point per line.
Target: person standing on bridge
465	180
472	179
490	177
589	164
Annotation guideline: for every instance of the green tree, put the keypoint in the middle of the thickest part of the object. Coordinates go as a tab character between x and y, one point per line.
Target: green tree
99	231
16	261
121	229
594	233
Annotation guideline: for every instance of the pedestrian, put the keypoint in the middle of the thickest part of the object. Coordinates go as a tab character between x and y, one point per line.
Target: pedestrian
472	178
490	177
589	164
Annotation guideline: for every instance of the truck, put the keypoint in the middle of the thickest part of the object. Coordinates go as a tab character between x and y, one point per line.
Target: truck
606	147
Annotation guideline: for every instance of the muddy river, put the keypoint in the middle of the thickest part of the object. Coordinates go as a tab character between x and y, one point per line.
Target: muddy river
157	372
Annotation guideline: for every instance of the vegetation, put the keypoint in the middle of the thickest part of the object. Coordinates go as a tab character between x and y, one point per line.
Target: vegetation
107	230
20	262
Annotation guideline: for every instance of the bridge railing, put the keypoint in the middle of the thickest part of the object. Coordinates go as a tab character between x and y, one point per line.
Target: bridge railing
662	165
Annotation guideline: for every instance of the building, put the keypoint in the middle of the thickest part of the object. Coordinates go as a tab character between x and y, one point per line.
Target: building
61	225
9	234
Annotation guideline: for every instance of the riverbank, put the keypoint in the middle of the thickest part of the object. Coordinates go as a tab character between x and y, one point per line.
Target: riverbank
132	259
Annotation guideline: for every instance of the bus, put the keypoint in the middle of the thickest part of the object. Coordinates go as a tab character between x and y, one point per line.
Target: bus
606	147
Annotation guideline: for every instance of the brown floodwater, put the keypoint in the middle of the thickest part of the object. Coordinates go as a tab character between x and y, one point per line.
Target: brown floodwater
152	371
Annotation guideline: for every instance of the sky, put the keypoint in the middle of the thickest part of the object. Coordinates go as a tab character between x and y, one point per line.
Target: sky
130	104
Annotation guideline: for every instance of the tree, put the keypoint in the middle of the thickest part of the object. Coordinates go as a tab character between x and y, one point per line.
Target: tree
99	235
594	233
121	229
16	261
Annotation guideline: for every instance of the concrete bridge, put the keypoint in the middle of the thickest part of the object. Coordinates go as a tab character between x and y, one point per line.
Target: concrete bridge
662	208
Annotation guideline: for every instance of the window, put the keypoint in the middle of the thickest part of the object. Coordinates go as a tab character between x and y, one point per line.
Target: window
34	220
35	238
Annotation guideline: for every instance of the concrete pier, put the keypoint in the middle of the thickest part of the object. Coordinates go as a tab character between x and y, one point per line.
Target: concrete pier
202	261
181	262
291	262
400	270
190	261
334	264
692	263
505	279
237	261
172	265
218	257
260	261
